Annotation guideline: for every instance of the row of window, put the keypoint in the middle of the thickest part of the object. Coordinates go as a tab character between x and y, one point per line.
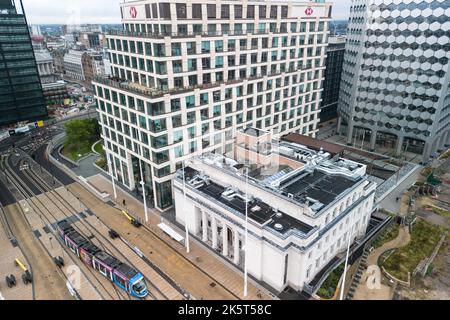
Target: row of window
163	10
225	28
203	47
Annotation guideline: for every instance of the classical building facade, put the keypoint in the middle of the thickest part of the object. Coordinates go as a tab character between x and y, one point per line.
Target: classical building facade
303	207
189	74
395	83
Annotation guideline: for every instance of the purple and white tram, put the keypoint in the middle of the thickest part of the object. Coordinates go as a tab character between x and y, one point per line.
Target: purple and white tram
124	276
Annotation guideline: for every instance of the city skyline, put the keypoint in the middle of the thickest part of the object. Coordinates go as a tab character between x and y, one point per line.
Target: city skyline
107	11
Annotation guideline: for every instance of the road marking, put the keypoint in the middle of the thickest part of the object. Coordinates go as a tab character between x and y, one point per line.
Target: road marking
1	296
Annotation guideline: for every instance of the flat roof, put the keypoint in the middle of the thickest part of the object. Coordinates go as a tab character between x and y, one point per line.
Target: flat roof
314	144
254	132
317	185
258	211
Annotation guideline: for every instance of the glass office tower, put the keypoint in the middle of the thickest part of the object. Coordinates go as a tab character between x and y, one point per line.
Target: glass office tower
21	97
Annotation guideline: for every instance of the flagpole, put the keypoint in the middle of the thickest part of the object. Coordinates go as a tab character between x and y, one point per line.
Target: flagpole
246	238
350	236
112	177
185	216
143	185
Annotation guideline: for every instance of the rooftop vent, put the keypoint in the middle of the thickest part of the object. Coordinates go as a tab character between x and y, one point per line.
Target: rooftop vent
256	209
278	227
279	215
229	195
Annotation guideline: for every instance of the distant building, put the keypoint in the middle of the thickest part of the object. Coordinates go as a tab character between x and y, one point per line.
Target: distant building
303	207
35	30
55	91
58	60
73	65
332	83
92	40
44	61
21	97
94	64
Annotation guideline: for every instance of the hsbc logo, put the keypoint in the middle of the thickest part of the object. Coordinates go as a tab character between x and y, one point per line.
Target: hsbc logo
133	12
309	11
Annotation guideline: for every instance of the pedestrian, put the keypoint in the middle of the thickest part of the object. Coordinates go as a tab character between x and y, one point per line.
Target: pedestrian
124	203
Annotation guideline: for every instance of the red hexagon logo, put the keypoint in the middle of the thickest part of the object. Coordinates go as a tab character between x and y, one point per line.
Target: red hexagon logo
309	11
133	12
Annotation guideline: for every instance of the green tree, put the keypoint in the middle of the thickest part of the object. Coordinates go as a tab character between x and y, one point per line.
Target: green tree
80	133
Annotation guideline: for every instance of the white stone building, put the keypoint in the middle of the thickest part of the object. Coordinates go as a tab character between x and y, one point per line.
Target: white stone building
189	74
44	61
303	207
73	65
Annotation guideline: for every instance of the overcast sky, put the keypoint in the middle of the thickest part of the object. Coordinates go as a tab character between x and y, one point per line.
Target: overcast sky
105	11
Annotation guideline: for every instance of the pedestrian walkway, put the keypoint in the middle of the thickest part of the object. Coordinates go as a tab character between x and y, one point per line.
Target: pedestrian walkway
385	292
201	257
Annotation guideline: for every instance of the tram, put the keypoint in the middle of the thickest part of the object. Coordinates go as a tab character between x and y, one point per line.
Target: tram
119	273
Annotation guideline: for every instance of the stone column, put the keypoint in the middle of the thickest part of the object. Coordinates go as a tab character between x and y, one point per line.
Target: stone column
204	227
373	140
426	152
236	247
442	142
400	145
339	126
225	240
447	139
350	135
214	232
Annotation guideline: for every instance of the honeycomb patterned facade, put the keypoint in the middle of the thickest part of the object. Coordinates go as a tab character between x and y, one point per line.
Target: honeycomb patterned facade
396	70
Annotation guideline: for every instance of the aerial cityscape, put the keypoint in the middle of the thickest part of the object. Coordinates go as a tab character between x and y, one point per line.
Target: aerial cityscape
224	150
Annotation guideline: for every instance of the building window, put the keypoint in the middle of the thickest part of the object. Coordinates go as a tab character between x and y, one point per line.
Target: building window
250	12
211	11
225	11
164	10
262	12
284	11
181	10
238	11
197	11
176	49
273	12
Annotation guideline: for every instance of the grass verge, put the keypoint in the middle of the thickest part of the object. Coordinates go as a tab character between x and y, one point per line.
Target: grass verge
328	288
424	238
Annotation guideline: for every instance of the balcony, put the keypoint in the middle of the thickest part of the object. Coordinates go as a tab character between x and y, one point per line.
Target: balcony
162	35
154	93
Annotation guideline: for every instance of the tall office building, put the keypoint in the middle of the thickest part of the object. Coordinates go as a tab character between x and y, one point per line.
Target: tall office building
21	97
395	83
333	74
189	74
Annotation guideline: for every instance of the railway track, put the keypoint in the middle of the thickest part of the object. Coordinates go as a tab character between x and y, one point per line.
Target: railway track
99	284
168	246
172	249
90	231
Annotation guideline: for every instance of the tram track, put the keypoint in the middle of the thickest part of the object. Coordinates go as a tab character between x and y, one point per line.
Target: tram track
34	202
107	245
76	189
